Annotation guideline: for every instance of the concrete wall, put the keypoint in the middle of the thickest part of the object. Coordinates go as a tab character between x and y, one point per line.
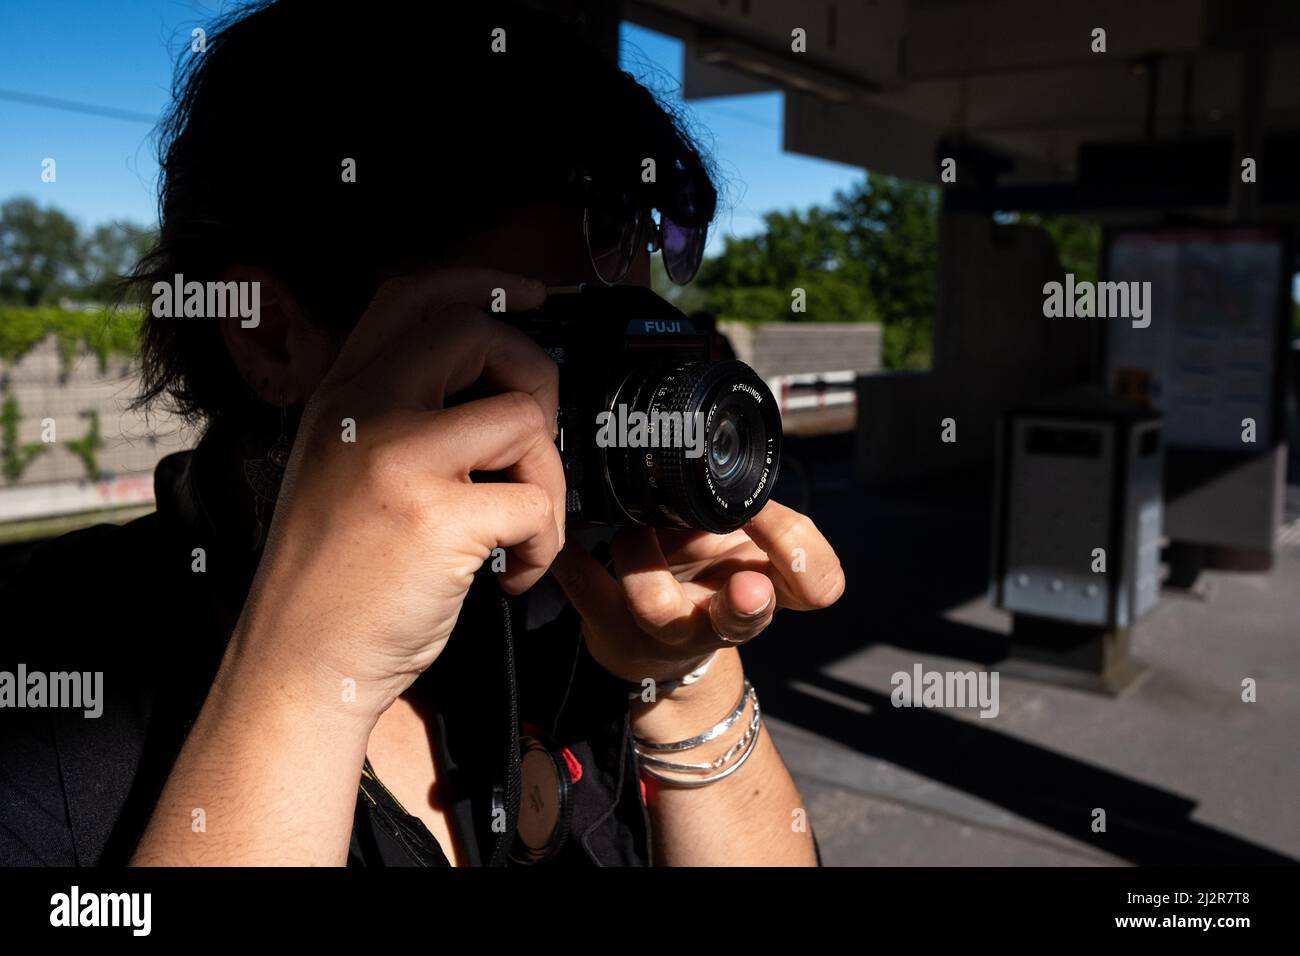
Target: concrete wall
791	348
993	349
810	368
56	481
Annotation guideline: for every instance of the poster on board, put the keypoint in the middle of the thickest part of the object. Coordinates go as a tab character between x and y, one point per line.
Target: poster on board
1206	361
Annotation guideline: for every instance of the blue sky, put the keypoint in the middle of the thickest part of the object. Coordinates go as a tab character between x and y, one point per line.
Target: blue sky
119	56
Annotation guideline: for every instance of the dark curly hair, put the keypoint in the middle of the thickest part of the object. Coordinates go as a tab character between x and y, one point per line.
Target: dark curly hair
448	137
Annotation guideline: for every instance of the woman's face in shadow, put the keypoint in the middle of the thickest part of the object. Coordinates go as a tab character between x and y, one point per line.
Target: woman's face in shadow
542	240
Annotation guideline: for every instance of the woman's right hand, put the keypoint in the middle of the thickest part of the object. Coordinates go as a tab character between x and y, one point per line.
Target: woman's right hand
375	541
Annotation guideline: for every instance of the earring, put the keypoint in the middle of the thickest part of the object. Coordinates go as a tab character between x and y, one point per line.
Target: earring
264	476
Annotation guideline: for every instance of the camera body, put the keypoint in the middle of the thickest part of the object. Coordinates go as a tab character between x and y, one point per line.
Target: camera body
651	431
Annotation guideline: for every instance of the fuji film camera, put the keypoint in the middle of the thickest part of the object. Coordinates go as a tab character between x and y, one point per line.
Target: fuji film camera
651	431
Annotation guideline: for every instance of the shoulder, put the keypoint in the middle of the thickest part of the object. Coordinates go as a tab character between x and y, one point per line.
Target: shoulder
62	590
77	550
69	748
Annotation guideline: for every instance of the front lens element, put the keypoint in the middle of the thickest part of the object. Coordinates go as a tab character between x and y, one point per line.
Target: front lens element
716	448
727	451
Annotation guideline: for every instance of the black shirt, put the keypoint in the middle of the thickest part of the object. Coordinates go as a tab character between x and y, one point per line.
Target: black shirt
126	601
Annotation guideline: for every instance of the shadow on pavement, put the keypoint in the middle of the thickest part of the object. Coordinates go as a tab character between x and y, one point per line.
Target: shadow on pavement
910	554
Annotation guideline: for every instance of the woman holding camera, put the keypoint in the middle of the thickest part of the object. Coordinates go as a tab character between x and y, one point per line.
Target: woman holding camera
382	661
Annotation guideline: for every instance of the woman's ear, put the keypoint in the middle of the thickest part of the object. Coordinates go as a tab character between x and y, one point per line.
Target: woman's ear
276	350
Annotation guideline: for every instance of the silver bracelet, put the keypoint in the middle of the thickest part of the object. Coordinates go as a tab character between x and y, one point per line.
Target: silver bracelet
716	764
634	691
712	733
704	782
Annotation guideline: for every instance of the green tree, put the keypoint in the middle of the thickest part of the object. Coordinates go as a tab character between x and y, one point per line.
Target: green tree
40	253
792	247
1078	242
106	332
892	234
754	278
110	252
871	255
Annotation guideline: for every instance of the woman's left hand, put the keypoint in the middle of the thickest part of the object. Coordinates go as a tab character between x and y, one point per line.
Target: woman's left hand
677	596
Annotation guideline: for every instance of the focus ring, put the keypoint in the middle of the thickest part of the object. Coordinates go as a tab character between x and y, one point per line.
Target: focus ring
672	460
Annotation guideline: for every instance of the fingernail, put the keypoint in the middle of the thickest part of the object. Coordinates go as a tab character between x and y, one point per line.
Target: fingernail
762	610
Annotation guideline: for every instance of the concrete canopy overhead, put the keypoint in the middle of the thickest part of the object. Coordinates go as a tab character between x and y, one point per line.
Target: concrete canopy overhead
1019	83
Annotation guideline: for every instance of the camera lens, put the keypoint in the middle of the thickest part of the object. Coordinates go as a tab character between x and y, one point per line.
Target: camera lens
713	446
725	456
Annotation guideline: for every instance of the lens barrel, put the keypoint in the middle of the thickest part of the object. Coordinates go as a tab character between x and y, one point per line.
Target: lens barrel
716	449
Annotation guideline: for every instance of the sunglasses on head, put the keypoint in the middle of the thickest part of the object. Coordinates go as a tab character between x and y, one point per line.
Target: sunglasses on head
617	226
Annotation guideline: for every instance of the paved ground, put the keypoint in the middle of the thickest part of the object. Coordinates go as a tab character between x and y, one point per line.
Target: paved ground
1185	771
